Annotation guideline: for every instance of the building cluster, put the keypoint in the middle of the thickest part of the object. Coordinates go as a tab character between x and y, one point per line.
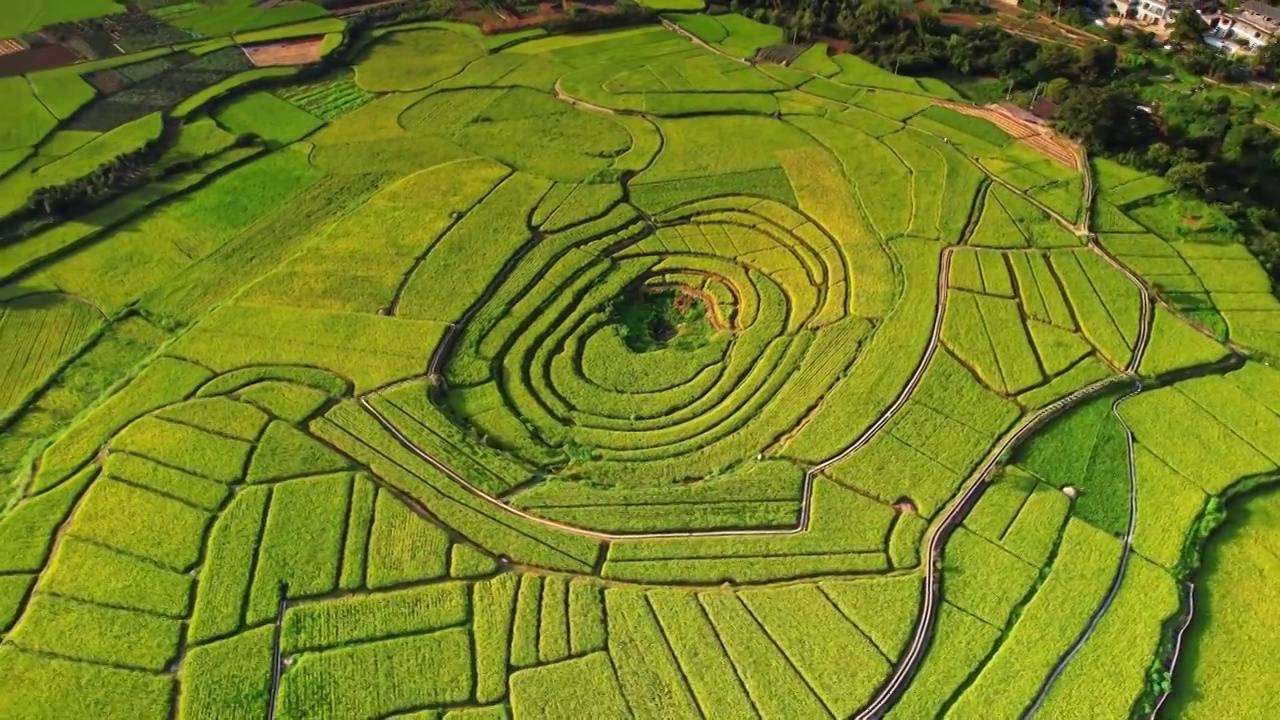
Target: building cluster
1248	27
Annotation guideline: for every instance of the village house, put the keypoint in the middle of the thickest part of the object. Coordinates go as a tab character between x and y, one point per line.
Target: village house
1157	13
1252	26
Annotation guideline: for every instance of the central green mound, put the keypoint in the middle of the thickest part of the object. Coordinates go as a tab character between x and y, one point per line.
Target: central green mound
659	317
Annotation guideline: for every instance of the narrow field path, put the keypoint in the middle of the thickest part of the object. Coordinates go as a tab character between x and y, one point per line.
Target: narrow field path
277	658
1171	663
1126	551
916	650
914	655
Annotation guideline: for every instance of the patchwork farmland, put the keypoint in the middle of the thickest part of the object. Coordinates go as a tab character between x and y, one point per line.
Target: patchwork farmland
420	372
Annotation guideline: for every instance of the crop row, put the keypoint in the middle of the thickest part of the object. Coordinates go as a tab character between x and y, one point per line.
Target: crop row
360	435
932	445
1047	626
878	375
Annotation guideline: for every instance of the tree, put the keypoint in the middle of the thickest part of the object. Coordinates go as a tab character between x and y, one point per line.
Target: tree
1097	62
1160	157
1058	89
1189	28
1268	59
1193	176
1104	119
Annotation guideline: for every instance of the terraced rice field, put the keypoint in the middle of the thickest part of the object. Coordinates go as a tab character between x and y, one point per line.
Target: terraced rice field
492	376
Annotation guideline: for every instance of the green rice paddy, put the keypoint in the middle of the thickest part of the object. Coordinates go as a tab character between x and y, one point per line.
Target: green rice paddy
611	375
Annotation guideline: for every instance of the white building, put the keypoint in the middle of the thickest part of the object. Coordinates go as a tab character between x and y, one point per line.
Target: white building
1158	13
1253	25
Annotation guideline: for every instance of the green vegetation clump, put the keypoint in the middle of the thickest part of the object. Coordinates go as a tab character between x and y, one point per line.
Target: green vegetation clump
649	319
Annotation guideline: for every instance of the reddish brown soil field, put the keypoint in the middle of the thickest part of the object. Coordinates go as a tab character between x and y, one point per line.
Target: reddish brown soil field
836	46
290	52
491	22
41	57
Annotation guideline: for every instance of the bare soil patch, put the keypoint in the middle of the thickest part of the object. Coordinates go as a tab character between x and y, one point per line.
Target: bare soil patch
492	21
289	52
1040	137
39	57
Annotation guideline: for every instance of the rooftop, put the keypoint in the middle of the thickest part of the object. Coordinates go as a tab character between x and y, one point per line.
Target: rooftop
1271	13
